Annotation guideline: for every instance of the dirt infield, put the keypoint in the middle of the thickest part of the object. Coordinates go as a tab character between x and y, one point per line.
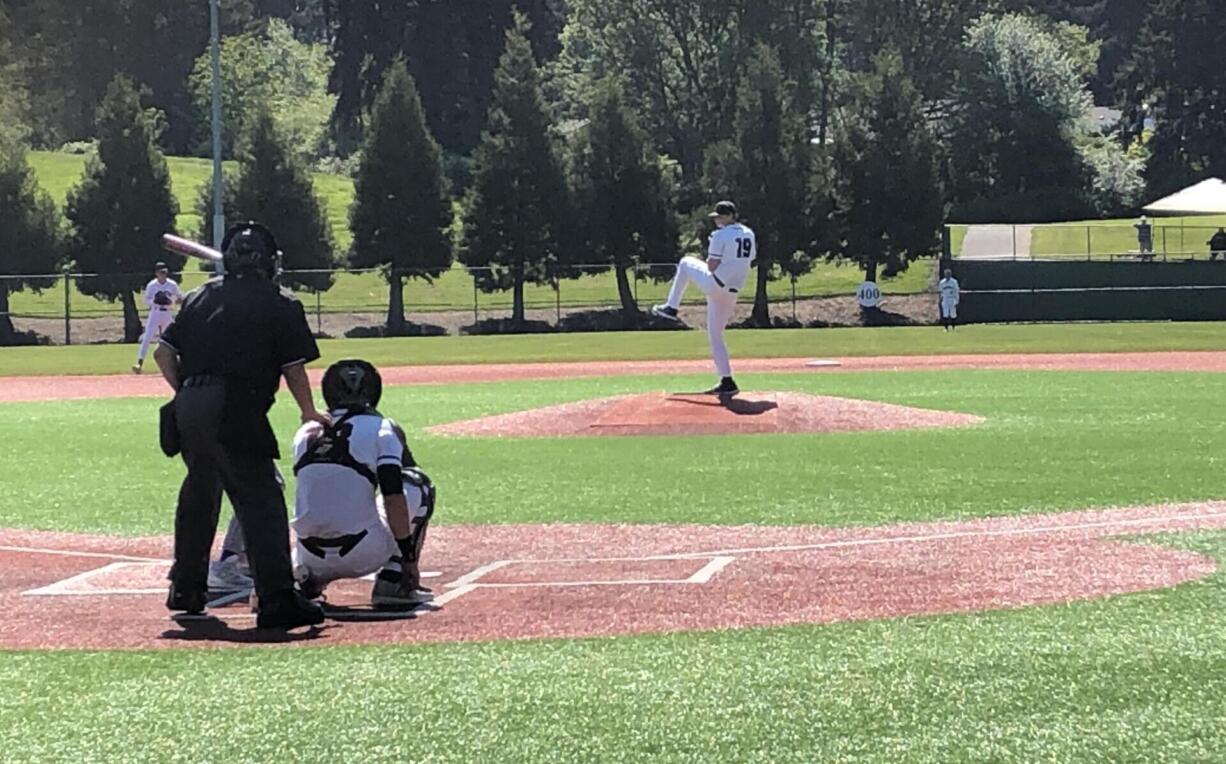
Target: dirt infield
520	582
682	414
37	389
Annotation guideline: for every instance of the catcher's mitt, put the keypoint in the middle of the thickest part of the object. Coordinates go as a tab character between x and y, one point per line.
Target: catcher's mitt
162	298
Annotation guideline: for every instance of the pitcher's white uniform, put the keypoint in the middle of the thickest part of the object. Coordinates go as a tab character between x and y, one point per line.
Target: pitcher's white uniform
737	248
339	522
950	295
160	297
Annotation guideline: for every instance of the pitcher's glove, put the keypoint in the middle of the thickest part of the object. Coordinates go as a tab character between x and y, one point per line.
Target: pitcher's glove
162	298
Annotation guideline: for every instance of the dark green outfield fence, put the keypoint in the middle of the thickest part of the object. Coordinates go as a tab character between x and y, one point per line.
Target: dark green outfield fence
1045	290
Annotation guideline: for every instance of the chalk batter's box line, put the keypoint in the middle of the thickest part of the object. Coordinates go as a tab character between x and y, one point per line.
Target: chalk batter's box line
472	579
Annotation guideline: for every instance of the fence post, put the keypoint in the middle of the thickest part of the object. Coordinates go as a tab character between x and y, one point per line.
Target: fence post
1013	231
1089	248
319	325
557	295
793	298
636	286
476	300
67	307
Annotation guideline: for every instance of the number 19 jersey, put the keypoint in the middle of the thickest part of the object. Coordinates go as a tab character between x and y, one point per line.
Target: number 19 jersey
737	248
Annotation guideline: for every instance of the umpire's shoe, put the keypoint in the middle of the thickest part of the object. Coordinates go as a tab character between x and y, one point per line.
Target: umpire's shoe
190	601
288	610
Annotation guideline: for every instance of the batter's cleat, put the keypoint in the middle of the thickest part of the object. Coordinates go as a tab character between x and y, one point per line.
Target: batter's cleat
390	594
190	601
665	311
136	368
227	576
311	588
288	610
725	389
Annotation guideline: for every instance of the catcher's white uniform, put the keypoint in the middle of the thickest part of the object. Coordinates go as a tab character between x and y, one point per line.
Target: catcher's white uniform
341	529
160	297
737	248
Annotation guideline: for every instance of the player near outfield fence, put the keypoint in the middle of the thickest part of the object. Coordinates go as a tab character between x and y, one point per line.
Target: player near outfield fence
731	253
160	294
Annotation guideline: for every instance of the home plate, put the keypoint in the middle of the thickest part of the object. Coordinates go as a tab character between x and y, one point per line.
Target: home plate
822	363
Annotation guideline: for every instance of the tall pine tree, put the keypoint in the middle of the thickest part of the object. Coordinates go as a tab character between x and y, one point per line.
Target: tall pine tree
890	206
623	196
273	186
771	164
31	239
122	206
517	213
401	215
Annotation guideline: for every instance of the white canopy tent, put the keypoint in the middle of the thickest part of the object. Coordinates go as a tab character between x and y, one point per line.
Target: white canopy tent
1205	198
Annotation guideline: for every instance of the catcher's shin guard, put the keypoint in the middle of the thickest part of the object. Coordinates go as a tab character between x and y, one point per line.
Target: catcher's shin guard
419	480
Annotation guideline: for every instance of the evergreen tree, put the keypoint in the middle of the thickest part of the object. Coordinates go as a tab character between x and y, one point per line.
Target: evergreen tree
518	207
624	198
1018	116
31	241
451	48
122	206
401	215
273	186
1176	77
770	165
890	207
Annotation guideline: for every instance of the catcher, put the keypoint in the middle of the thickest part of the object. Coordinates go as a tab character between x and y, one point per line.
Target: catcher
362	505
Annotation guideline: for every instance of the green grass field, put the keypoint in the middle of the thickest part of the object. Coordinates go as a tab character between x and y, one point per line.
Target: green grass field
1130	678
649	346
1179	238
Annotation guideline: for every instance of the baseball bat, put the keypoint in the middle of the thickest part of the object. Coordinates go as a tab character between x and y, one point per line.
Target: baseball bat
190	248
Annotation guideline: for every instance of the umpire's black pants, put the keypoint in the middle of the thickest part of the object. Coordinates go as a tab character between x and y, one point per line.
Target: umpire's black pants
250	482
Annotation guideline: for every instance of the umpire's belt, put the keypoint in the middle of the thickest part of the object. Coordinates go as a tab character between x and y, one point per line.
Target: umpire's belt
722	284
203	380
342	544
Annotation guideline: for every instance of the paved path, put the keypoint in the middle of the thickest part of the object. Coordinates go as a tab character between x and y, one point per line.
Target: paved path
996	242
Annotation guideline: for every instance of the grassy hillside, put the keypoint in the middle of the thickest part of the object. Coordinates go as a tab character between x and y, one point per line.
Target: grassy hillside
367	292
59	172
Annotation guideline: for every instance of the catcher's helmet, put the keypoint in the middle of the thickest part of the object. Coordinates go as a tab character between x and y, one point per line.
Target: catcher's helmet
352	384
251	248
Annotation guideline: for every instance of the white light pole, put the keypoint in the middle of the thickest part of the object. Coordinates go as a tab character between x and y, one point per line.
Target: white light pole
219	214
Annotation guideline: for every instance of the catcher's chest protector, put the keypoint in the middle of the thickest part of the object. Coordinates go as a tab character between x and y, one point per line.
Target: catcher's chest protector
333	448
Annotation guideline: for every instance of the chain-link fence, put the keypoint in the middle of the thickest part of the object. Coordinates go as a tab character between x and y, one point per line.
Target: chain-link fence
1154	240
577	298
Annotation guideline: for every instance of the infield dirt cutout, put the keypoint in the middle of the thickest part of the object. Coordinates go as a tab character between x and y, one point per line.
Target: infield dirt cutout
519	582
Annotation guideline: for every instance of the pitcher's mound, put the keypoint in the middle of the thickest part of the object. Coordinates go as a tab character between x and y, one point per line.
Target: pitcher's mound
665	414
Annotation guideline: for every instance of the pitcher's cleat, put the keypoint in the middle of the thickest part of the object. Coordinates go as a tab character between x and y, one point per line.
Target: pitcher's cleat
665	311
725	389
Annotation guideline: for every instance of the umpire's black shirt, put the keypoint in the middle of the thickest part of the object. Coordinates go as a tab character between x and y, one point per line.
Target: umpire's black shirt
243	330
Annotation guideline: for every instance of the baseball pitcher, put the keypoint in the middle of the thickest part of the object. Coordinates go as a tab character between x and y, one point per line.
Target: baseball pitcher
950	293
160	294
732	250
